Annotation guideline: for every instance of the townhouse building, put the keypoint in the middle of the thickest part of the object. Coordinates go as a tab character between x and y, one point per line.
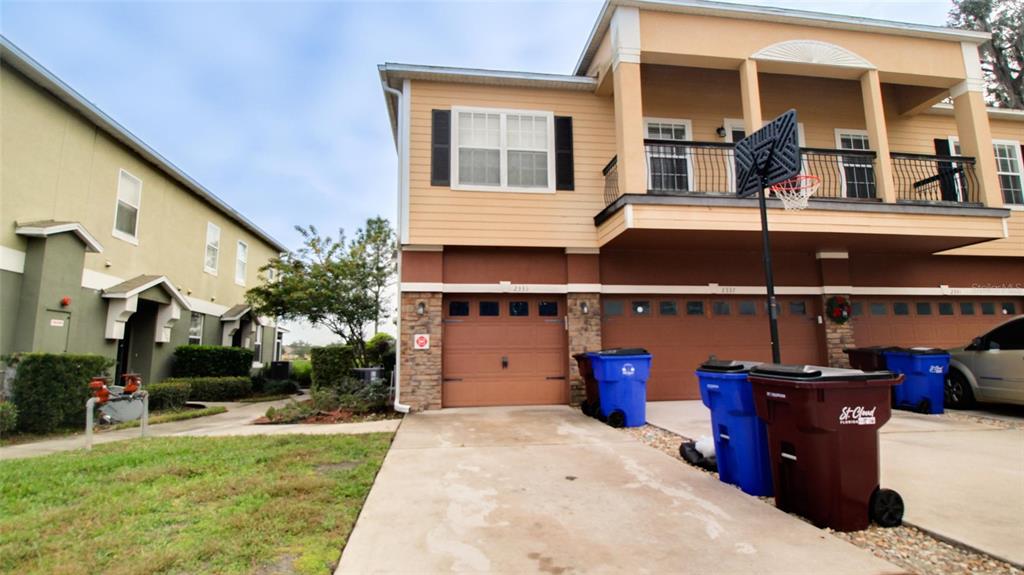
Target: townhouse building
544	215
105	246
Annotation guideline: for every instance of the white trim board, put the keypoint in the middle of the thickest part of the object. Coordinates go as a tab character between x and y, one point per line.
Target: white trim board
709	289
12	260
92	279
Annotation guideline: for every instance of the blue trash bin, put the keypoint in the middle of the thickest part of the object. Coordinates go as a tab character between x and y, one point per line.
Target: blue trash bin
741	441
621	376
925	372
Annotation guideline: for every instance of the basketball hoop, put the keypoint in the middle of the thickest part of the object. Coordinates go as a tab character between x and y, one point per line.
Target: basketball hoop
796	191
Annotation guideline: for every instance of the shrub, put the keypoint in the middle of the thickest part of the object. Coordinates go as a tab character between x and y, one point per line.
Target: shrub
279	387
8	417
50	390
380	350
291	412
302	372
332	365
353	395
168	394
216	388
211	361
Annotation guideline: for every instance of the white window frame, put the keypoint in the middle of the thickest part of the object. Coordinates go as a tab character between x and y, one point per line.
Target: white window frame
130	238
503	113
202	327
840	132
688	156
210	226
954	143
257	345
245	261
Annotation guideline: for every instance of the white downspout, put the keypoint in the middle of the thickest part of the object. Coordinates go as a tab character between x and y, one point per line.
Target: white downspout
403	138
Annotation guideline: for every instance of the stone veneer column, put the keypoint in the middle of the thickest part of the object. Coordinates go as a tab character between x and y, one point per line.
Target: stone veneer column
420	383
837	338
584	335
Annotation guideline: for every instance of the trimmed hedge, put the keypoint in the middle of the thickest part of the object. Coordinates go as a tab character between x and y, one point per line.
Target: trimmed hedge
215	388
168	394
50	390
332	365
8	417
302	372
211	361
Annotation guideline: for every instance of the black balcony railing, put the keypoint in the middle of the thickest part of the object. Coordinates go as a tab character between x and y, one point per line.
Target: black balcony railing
709	168
923	178
611	180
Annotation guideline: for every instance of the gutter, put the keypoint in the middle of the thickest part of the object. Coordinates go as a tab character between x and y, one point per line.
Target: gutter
402	140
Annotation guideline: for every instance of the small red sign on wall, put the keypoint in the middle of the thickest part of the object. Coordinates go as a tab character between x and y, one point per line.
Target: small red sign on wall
421	341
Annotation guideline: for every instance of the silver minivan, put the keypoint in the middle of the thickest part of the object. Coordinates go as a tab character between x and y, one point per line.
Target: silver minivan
990	369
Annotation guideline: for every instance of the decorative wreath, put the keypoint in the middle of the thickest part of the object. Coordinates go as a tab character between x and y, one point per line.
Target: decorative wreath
838	308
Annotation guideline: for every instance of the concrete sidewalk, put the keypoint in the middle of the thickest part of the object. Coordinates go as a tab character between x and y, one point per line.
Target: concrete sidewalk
962	481
236	421
545	489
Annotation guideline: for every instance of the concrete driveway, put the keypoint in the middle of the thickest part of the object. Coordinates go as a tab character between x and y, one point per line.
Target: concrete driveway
960	480
527	490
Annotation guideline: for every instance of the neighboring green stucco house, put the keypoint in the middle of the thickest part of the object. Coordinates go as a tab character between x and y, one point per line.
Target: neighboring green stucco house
105	246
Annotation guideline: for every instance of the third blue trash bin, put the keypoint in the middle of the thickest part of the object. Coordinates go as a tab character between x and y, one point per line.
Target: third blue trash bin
621	376
925	378
741	442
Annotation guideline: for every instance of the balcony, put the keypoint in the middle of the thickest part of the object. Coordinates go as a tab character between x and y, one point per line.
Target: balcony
708	169
690	197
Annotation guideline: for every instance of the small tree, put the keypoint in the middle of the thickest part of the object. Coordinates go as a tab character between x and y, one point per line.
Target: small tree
1002	57
332	283
375	248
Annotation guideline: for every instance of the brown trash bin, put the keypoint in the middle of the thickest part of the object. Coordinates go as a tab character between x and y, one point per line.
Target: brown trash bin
590	403
822	428
868	358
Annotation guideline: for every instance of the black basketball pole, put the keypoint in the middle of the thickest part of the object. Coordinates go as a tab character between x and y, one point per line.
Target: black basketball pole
769	280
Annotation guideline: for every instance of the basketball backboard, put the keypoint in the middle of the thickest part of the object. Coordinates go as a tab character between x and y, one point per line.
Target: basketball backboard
768	156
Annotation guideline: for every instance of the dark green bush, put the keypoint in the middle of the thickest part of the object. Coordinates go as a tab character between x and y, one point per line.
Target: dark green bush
8	417
279	387
216	388
50	390
380	350
332	365
169	394
302	372
211	361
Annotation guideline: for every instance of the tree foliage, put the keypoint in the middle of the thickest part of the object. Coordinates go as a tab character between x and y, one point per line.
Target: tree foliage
1002	58
333	283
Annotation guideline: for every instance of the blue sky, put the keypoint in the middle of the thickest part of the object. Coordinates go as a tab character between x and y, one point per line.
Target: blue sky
276	106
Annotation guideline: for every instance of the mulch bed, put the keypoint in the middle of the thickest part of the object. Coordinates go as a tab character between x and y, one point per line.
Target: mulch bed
336	416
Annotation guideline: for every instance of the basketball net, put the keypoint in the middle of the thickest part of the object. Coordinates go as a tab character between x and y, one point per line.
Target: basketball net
796	191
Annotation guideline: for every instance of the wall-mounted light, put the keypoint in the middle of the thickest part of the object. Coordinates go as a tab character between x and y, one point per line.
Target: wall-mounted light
584	308
421	308
720	131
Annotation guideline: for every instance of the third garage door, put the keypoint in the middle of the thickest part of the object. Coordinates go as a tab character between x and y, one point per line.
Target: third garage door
681	332
504	350
928	322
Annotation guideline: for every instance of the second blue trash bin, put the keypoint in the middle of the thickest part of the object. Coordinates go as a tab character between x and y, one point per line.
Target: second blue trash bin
925	371
621	376
741	441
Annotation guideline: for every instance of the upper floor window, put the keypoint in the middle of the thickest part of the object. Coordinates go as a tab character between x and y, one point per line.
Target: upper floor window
1008	166
503	150
669	168
126	214
241	260
212	255
858	172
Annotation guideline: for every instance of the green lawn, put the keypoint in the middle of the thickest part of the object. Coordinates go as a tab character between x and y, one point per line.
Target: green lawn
260	504
167	416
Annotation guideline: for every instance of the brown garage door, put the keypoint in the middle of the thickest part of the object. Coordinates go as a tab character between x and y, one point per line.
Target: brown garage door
681	332
504	350
943	323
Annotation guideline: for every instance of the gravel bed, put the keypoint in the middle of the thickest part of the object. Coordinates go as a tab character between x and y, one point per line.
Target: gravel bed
999	422
904	546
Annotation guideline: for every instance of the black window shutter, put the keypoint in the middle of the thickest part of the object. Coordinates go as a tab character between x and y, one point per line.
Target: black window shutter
440	148
947	179
564	177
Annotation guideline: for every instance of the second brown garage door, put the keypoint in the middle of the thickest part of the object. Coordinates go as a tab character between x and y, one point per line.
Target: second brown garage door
682	331
928	322
504	350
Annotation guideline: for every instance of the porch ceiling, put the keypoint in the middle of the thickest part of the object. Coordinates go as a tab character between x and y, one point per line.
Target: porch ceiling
730	223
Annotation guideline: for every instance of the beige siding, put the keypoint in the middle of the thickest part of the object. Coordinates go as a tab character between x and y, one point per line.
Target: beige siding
57	165
440	215
1012	246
